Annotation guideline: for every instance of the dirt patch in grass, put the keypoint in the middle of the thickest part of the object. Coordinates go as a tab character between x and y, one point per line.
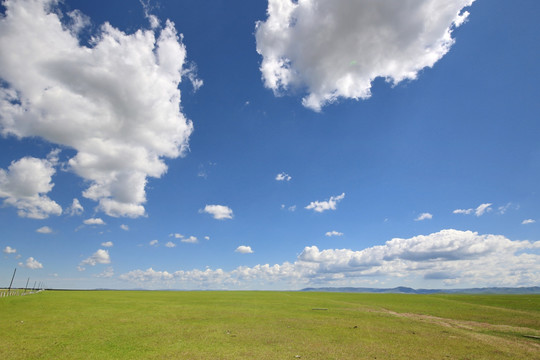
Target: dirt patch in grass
506	334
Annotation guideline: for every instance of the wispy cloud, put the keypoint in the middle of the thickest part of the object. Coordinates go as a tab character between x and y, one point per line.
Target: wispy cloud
334	233
479	211
424	216
528	221
44	230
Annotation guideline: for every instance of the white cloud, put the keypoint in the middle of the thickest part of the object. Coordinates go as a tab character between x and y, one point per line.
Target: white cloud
505	208
170	244
94	221
107	273
283	177
99	257
448	257
334	233
463	211
482	209
44	230
291	208
242	249
177	236
115	102
207	238
320	206
528	221
424	216
32	263
107	244
219	212
25	184
153	243
146	275
75	208
9	250
191	240
335	49
479	211
124	227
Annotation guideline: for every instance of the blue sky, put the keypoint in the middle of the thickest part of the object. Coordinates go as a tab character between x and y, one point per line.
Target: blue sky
271	145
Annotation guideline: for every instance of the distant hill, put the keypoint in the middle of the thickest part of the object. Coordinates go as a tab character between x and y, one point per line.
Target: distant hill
407	290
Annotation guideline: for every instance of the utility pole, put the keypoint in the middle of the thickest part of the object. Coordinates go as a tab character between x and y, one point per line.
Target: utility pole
13	277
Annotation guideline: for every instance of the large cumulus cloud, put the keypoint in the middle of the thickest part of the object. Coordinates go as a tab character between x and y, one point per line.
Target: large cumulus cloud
445	258
336	48
116	101
25	184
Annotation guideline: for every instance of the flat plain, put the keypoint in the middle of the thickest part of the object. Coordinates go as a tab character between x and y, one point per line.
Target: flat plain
267	325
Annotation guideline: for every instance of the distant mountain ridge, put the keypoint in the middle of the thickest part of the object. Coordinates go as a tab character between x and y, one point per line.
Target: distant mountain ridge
407	290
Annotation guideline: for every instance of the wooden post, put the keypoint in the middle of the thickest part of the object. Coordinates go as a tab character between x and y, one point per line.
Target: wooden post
13	277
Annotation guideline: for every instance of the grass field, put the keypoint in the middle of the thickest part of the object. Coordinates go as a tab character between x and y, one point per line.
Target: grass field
267	325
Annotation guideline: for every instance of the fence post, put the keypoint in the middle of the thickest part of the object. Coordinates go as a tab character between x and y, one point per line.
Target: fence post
13	277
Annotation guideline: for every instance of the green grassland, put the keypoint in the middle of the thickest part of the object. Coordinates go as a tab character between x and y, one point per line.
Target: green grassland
267	325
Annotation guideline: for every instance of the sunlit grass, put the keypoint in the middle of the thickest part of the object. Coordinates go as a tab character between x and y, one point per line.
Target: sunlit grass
267	325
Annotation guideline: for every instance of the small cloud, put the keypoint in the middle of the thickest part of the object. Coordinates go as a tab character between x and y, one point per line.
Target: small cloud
99	257
482	209
94	221
75	208
191	240
207	238
242	249
124	227
290	208
170	244
463	211
107	273
334	233
424	216
479	211
528	221
107	244
154	243
283	177
9	250
320	206
177	236
44	230
219	212
32	263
